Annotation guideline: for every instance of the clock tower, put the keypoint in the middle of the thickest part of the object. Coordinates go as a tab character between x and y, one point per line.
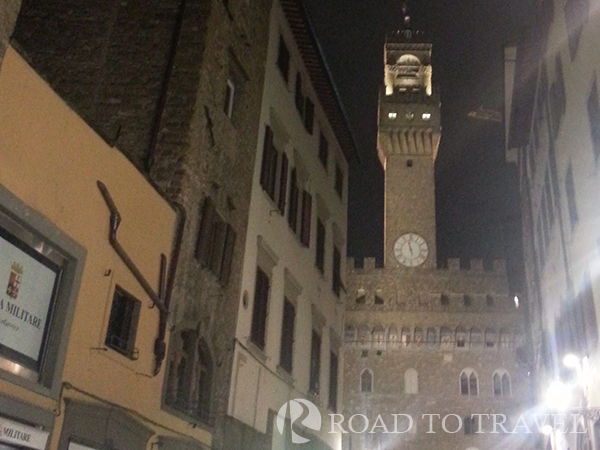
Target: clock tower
408	137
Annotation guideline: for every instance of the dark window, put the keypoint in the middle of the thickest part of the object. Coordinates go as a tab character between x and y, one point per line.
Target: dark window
472	384
287	336
444	300
309	115
283	177
283	59
594	119
409	163
323	150
299	96
576	14
122	323
306	219
333	381
216	242
489	300
259	312
467	301
315	362
571	203
379	300
497	384
361	299
337	266
366	381
320	246
464	384
189	380
339	181
273	179
293	209
268	173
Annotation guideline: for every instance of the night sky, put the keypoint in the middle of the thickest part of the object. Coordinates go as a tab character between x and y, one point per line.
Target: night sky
476	193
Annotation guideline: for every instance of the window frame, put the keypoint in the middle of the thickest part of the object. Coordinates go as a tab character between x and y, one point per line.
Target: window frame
287	336
316	343
260	310
283	59
133	308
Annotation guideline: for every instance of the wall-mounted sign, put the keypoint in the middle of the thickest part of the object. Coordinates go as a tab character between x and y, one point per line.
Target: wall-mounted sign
28	283
22	435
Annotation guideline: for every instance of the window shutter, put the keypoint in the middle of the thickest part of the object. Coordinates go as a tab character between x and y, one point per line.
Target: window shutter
320	246
306	217
259	313
272	174
205	232
227	255
283	183
299	98
218	244
309	115
266	161
287	336
293	210
333	381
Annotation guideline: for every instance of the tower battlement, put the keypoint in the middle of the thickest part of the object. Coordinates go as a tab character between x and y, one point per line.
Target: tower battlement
474	266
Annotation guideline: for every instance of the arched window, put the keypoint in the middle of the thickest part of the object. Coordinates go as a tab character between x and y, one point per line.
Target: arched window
350	334
501	382
505	338
364	336
378	337
393	338
445	337
431	337
461	337
469	382
405	337
490	338
418	336
189	379
476	337
366	381
411	381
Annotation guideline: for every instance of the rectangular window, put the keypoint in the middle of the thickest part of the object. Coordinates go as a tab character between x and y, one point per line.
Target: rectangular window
306	218
216	241
571	203
283	177
259	312
333	381
320	246
122	323
594	119
229	98
315	363
287	336
283	59
293	209
336	278
309	115
299	97
323	150
339	181
268	173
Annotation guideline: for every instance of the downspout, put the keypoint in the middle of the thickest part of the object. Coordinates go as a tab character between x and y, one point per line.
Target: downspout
160	347
161	300
162	99
115	221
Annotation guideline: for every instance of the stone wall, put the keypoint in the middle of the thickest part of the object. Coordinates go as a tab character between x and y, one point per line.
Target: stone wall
9	9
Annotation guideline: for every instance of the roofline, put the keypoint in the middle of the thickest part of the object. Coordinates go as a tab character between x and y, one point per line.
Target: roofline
320	76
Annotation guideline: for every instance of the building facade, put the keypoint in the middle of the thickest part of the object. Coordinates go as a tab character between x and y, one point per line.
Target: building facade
553	134
291	309
161	102
426	348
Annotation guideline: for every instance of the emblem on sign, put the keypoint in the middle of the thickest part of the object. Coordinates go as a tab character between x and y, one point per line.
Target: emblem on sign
14	280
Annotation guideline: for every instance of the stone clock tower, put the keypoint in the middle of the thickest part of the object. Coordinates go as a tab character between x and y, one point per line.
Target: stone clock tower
408	139
421	339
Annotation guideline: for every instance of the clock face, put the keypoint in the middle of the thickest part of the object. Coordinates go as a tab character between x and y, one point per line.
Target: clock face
411	250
